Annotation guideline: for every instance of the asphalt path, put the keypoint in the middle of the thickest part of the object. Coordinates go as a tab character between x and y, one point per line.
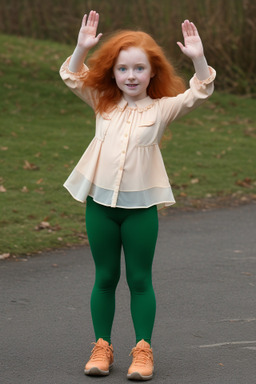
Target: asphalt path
205	330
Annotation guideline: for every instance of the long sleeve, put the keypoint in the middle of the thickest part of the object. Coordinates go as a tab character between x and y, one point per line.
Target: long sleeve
75	82
173	108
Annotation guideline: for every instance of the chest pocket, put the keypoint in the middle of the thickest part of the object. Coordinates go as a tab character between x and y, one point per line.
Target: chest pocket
147	133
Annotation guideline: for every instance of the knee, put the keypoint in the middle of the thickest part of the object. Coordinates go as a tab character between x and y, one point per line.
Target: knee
107	280
139	283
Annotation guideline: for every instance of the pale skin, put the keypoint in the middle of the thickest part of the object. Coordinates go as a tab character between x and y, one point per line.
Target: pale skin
88	38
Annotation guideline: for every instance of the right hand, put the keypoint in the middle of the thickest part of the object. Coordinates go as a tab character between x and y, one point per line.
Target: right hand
87	37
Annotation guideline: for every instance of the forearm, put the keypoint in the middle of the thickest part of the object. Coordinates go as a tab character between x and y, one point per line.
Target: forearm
77	59
201	68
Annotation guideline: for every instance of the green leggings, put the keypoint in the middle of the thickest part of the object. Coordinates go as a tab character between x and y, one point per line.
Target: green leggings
110	229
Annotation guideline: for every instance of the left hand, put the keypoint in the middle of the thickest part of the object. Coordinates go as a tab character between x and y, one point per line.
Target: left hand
193	45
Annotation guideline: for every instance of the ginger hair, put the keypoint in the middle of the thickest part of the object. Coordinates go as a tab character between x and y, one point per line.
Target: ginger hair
100	76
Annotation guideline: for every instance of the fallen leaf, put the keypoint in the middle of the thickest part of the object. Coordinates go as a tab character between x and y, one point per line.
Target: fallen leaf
4	148
39	181
46	225
42	225
245	183
4	256
194	181
30	166
2	188
24	189
250	131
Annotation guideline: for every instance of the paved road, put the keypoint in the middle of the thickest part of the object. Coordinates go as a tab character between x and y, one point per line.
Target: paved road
205	331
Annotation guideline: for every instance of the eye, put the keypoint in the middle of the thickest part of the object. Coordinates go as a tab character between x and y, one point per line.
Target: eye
140	68
122	69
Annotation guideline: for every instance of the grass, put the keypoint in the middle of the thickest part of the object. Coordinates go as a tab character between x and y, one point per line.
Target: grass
44	130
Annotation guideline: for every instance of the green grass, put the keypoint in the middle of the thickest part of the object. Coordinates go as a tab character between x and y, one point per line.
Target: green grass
212	152
44	130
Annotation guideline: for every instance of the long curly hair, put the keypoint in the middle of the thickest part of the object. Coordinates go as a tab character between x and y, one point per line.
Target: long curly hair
100	76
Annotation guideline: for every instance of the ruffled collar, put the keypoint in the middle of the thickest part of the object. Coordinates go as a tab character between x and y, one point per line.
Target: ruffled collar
141	105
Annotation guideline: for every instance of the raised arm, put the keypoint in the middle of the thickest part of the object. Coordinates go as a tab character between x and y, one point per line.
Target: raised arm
87	38
193	48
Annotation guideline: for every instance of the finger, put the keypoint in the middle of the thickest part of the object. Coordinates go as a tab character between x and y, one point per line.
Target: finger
180	45
99	37
184	27
195	31
91	18
96	19
84	21
188	28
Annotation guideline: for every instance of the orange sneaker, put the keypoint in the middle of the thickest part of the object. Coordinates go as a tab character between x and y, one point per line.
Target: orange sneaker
142	366
101	359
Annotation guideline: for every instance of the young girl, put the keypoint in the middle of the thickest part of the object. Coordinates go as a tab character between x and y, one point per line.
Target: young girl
135	94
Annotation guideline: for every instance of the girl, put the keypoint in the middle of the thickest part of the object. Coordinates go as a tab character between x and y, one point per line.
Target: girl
135	94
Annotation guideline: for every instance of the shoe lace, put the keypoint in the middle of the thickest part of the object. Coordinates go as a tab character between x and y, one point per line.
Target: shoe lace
99	352
141	355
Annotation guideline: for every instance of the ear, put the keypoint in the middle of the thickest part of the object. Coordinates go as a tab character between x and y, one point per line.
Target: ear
152	74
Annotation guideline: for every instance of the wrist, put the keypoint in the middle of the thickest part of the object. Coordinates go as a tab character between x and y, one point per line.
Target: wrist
201	67
199	60
81	51
77	59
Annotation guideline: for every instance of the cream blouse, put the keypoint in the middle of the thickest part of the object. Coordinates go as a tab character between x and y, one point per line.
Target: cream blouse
123	166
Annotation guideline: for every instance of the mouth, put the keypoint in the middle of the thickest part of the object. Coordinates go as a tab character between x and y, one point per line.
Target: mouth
131	86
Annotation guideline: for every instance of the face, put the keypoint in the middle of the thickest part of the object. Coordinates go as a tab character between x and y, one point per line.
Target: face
132	72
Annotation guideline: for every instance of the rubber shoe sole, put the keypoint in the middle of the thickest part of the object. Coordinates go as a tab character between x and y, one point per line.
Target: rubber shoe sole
138	376
95	371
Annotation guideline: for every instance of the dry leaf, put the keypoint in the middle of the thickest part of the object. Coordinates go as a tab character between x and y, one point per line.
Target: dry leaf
4	256
245	183
43	225
4	148
2	188
194	181
30	166
24	189
46	225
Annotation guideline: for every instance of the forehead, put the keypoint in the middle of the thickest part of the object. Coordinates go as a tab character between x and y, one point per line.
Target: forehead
132	55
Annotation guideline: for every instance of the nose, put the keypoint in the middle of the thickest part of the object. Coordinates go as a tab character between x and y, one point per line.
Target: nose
131	74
